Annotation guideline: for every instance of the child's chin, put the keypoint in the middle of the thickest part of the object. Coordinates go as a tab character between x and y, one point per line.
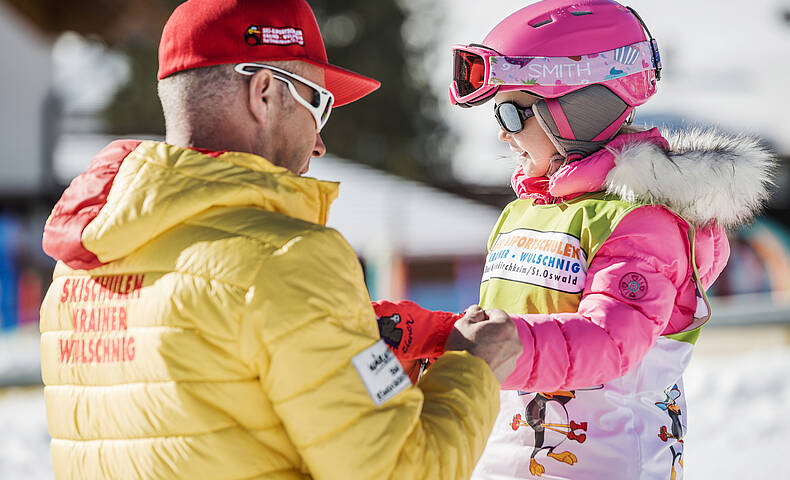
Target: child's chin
523	159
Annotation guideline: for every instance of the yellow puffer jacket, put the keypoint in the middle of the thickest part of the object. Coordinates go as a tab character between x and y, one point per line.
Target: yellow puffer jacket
202	323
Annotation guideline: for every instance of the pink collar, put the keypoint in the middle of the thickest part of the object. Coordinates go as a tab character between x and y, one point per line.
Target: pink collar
582	176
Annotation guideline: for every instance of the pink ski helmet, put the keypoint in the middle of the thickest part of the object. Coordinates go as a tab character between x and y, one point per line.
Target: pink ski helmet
553	48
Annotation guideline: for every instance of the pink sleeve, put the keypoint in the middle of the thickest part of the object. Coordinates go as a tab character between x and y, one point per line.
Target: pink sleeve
614	327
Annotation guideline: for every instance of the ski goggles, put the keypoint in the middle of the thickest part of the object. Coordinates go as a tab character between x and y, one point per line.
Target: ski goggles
479	72
471	70
511	116
318	101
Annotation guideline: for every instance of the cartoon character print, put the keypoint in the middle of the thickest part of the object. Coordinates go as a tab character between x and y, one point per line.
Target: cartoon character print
551	426
389	331
670	406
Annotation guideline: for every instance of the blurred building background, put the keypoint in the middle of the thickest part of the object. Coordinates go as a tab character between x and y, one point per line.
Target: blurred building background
422	182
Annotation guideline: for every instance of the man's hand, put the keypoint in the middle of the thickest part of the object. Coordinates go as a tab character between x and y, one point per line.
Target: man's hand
490	335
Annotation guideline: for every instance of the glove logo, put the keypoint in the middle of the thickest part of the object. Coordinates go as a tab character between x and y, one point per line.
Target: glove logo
389	331
633	286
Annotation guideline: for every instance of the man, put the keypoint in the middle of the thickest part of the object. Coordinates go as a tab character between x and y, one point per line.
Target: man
203	323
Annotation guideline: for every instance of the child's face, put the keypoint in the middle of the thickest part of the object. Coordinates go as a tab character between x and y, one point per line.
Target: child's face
532	145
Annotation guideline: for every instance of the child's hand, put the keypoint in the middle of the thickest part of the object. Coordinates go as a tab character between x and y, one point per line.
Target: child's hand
490	335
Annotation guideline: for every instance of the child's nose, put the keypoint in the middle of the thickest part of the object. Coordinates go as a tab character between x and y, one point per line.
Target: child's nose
504	135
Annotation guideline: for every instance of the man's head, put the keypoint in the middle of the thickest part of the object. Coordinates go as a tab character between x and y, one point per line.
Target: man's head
220	109
251	76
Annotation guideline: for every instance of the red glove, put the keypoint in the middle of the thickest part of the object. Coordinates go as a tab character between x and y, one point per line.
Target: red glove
413	332
416	335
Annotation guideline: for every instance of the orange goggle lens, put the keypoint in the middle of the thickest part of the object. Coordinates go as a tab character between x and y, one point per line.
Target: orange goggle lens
468	72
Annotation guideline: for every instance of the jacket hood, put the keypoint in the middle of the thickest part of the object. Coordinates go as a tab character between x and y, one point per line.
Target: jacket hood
133	191
706	176
703	175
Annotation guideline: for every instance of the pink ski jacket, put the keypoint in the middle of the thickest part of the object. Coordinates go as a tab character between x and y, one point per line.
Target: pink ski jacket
609	334
699	177
710	180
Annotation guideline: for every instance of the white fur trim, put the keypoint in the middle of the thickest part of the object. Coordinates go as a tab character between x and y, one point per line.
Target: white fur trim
706	176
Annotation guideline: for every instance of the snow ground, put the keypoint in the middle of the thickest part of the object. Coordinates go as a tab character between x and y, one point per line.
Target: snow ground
739	416
738	426
24	441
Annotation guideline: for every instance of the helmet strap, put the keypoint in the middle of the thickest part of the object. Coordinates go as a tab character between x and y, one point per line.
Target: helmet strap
582	122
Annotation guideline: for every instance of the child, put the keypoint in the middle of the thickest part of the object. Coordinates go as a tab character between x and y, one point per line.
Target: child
605	256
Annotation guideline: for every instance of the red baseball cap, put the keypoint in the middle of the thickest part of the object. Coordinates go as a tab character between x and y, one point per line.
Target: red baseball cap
200	33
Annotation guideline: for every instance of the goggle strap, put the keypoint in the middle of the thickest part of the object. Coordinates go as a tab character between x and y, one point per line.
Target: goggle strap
653	44
526	71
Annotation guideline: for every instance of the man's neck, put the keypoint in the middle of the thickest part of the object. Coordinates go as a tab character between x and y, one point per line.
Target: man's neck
212	143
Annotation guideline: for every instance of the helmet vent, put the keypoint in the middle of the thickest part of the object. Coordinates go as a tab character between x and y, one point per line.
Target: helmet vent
579	13
540	23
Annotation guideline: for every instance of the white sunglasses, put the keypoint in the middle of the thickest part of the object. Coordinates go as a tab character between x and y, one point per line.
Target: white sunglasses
320	106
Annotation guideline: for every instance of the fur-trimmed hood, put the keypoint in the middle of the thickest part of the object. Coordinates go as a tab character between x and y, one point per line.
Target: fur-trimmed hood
705	175
702	175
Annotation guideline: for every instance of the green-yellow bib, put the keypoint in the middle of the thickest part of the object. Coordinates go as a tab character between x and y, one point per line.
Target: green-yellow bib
538	256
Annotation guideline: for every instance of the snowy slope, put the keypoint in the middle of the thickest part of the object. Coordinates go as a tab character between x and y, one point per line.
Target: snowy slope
739	416
24	441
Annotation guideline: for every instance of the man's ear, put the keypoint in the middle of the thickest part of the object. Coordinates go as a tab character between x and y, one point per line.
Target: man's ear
262	95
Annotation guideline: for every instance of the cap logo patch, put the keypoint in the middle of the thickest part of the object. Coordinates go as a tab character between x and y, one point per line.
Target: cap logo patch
633	286
261	35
